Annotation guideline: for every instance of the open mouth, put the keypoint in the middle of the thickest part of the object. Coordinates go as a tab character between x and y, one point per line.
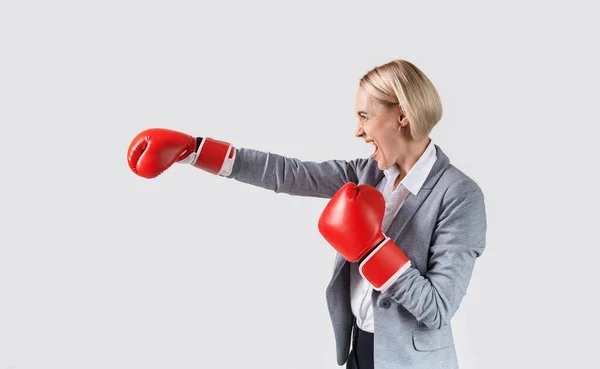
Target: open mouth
376	148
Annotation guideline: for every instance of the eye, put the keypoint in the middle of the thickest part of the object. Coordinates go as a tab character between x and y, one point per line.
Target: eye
362	118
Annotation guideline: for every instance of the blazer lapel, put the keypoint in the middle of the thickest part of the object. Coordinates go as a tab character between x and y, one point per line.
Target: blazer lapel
339	265
414	202
406	212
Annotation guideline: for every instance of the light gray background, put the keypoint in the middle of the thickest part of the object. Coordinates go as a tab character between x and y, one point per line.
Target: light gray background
100	268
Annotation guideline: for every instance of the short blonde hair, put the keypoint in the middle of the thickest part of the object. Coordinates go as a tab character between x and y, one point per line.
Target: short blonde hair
399	82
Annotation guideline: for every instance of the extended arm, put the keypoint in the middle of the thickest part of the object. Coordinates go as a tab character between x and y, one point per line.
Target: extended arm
155	150
293	176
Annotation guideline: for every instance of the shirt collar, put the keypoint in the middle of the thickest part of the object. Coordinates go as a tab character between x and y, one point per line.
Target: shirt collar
416	176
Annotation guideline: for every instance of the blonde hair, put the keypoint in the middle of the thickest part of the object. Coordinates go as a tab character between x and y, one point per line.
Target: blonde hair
399	82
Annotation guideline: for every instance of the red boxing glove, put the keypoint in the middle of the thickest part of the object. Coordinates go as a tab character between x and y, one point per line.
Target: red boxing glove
154	150
351	223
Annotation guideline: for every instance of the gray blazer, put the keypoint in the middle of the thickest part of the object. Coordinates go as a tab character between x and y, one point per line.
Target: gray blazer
442	230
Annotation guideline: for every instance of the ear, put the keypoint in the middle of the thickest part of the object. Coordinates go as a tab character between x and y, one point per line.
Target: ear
402	120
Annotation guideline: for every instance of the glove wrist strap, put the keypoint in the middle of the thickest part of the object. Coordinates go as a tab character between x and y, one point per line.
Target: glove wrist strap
384	265
213	156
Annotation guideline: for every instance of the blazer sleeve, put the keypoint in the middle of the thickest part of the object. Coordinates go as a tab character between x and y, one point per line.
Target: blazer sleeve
457	241
293	176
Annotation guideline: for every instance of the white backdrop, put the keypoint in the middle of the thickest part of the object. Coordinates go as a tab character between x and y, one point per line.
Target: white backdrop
100	268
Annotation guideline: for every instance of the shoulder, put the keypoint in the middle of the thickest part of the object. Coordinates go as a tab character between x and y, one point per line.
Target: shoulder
449	179
461	205
454	184
456	181
366	169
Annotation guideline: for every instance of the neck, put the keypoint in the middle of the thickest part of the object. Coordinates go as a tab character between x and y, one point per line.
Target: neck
410	155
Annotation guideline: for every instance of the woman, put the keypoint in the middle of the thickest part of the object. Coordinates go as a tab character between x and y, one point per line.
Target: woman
434	215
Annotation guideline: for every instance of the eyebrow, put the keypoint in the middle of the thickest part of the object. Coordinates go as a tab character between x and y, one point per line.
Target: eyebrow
362	113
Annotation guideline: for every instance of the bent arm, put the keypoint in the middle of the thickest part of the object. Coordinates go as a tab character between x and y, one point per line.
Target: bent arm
293	176
458	240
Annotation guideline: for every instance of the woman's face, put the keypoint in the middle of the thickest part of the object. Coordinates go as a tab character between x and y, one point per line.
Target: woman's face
379	125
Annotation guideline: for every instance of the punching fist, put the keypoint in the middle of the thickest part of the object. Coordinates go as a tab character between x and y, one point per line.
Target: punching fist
154	150
351	223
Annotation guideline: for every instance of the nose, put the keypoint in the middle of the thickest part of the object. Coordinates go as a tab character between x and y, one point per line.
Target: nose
359	132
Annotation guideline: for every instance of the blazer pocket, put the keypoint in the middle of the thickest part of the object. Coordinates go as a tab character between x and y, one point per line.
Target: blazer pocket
432	340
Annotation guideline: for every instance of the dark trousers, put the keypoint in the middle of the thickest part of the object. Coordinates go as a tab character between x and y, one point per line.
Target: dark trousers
361	356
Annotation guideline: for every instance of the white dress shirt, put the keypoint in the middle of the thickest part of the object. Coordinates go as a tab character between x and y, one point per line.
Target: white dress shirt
360	289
